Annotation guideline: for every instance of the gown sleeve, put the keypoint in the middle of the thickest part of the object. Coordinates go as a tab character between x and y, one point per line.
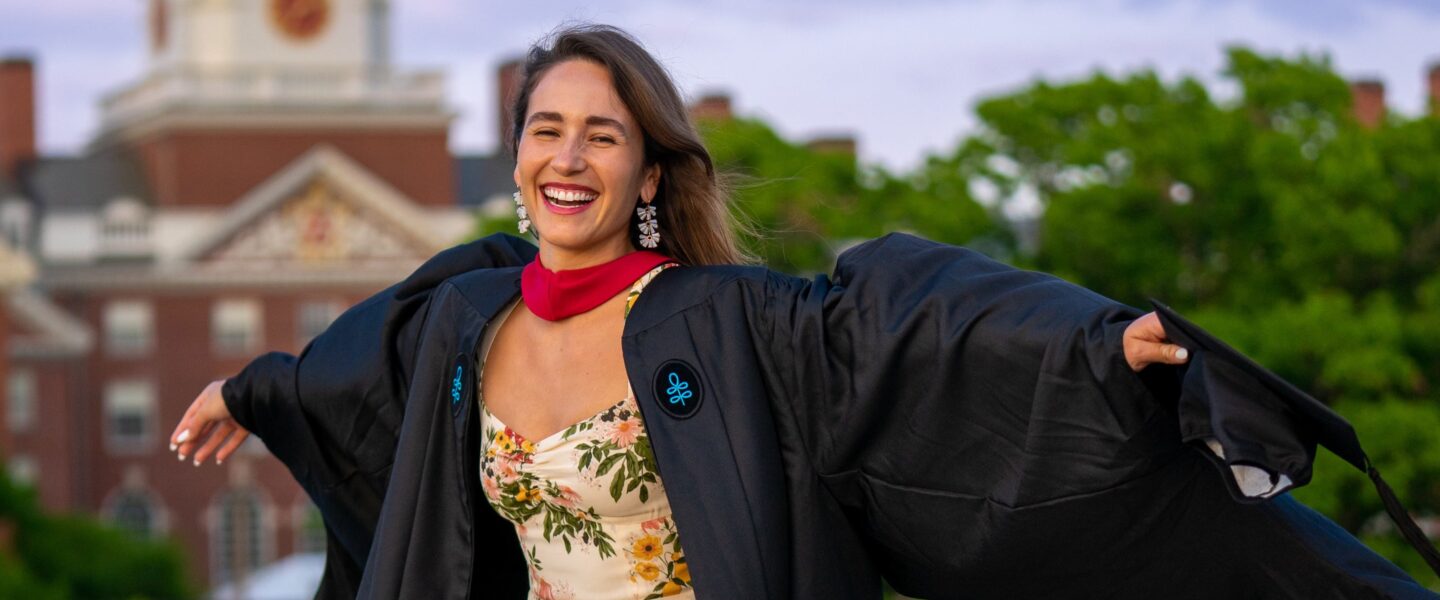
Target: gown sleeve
1018	376
332	414
980	426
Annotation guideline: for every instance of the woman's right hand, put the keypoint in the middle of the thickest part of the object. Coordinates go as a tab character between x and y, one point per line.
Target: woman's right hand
206	426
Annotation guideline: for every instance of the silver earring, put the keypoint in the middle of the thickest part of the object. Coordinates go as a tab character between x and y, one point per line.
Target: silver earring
520	213
649	227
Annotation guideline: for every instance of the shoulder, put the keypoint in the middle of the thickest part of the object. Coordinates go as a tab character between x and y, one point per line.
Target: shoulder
896	253
689	287
486	290
498	251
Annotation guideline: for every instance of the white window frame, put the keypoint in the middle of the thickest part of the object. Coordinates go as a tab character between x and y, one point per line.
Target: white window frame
24	469
125	228
15	221
262	528
129	327
309	313
152	508
22	400
131	396
241	319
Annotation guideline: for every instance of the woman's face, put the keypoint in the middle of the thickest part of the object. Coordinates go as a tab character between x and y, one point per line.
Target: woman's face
581	167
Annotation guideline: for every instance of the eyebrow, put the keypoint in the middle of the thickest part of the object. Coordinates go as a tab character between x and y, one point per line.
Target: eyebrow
592	120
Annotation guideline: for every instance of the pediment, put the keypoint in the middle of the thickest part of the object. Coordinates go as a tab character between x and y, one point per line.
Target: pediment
324	212
316	228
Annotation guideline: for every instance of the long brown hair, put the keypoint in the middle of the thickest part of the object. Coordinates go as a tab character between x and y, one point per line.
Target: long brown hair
696	225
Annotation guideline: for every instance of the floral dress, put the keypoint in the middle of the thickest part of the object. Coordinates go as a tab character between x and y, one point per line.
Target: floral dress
587	503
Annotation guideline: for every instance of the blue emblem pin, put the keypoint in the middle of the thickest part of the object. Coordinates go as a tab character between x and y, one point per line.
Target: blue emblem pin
457	384
677	389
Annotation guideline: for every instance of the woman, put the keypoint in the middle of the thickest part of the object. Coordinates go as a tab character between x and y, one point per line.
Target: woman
591	422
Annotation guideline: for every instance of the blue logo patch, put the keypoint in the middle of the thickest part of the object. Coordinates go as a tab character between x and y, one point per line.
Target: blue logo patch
458	385
677	389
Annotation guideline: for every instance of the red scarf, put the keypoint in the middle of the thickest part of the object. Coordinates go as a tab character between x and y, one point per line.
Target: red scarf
555	295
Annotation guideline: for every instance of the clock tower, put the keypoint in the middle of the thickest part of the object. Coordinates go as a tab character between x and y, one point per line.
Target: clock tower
236	89
254	35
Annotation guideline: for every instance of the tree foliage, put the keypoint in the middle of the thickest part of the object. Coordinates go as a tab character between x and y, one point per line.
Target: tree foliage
807	204
1277	221
56	557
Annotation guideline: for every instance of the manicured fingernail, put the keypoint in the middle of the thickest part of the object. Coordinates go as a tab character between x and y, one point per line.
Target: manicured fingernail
173	446
219	462
181	457
1182	354
184	435
197	462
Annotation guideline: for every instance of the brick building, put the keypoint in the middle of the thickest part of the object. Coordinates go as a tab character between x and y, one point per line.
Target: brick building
268	169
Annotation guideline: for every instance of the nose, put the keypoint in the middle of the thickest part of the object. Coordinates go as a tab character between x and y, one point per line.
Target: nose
568	159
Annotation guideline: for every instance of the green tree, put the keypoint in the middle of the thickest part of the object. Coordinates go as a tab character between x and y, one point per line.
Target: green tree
74	557
807	204
1275	220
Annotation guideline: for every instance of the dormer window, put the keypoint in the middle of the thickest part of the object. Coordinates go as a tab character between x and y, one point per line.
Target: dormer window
125	228
15	222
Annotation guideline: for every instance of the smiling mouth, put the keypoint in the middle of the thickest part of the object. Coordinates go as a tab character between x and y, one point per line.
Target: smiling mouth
568	198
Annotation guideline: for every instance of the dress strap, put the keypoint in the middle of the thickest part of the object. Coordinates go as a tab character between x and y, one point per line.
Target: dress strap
640	284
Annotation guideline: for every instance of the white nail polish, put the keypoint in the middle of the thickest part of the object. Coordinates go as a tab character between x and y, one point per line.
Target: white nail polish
197	462
1182	354
184	435
173	446
180	457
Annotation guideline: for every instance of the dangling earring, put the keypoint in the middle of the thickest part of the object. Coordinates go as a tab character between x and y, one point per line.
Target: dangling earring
520	213
649	227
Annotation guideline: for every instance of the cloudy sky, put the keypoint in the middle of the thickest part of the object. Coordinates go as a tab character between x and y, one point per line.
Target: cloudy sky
902	75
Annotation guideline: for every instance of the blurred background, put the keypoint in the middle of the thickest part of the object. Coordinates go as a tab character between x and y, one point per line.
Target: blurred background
186	184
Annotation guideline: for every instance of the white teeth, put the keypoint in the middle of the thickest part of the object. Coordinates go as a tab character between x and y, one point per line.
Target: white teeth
569	195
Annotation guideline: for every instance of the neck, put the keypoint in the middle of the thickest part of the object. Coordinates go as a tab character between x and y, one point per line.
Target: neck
555	294
557	258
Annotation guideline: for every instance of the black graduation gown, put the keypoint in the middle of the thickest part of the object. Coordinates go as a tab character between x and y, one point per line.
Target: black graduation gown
961	428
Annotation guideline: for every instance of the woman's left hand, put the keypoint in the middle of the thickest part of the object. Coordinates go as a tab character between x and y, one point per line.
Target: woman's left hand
1146	344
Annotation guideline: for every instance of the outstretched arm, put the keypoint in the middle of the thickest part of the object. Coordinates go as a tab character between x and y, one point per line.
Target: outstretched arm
992	426
333	413
346	387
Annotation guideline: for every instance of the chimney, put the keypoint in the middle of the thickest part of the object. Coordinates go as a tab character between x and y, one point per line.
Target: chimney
17	114
1368	97
713	107
835	144
1435	89
507	80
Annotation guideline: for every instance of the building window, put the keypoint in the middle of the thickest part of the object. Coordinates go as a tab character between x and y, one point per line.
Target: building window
129	415
129	327
20	395
314	318
134	512
239	541
15	222
235	326
23	469
125	228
